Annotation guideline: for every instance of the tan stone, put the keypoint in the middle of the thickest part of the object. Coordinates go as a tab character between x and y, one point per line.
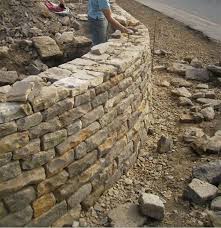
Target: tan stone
26	178
12	142
43	204
52	183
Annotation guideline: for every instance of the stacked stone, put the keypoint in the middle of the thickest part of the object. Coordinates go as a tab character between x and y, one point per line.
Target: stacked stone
69	133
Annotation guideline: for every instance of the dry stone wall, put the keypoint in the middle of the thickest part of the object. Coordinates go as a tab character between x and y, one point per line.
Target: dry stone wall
69	133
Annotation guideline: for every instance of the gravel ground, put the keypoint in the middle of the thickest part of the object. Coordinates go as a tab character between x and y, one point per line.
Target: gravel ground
165	175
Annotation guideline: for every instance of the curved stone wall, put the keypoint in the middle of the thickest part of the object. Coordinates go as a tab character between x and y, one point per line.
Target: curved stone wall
69	133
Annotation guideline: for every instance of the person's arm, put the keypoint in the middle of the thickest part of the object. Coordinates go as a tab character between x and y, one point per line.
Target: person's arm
115	24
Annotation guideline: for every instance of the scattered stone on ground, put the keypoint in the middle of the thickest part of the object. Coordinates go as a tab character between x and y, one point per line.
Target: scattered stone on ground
151	206
126	215
181	92
197	74
200	192
165	144
216	204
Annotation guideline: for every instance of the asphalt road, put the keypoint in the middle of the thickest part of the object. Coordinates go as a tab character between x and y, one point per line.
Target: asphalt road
202	15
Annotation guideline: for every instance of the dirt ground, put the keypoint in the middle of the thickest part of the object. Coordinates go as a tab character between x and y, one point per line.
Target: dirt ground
165	175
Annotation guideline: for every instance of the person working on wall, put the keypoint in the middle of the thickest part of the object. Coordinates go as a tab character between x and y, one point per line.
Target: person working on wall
99	15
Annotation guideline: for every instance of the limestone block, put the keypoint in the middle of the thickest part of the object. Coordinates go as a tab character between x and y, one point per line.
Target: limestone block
12	111
8	77
59	163
58	109
25	152
44	128
9	171
13	142
26	123
48	96
52	183
20	91
100	99
43	204
97	139
82	62
66	190
79	166
108	117
17	219
113	101
82	41
50	216
88	174
5	158
73	140
55	74
152	206
7	128
74	114
93	197
46	47
20	199
84	98
51	140
3	91
92	116
200	192
80	195
81	150
74	128
26	178
38	159
100	48
69	217
106	146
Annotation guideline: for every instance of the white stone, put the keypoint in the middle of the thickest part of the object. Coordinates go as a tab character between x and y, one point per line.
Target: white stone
152	206
100	48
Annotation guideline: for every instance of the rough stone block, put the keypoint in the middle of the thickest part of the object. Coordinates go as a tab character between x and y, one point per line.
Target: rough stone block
68	189
81	150
20	199
58	109
76	139
3	91
8	77
95	140
79	196
74	128
38	159
7	129
100	99
12	111
79	166
113	101
85	97
20	91
17	219
74	114
26	178
59	163
48	96
47	47
5	158
152	206
92	116
9	171
44	128
50	216
106	146
200	192
29	121
52	183
51	140
68	218
43	204
126	215
25	152
108	117
91	172
12	142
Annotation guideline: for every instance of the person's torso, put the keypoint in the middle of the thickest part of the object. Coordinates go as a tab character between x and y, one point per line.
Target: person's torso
94	10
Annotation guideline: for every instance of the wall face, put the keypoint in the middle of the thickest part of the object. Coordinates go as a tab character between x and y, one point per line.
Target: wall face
69	133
